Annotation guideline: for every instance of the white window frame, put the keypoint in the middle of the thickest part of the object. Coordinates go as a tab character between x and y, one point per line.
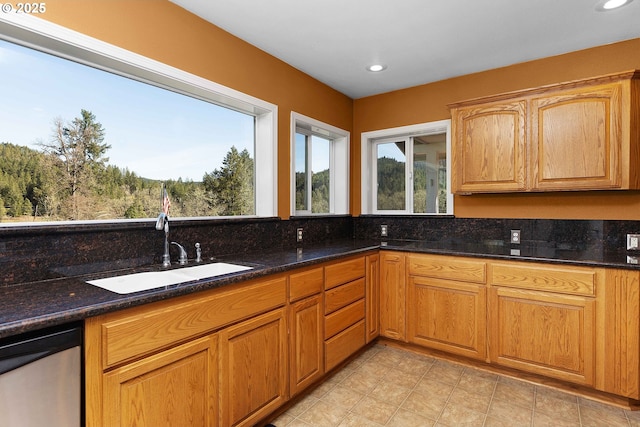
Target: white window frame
45	36
369	141
338	163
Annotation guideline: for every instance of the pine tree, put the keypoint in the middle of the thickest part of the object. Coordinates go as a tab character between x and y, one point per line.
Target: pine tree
232	185
80	150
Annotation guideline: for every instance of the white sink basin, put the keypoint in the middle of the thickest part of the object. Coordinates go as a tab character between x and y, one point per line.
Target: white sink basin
137	282
211	270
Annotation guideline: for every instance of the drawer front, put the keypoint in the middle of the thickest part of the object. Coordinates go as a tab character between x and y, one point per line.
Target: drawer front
343	318
343	345
343	272
449	268
146	329
336	298
305	283
566	280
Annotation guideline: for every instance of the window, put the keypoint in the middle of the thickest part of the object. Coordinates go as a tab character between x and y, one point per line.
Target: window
154	125
407	170
320	154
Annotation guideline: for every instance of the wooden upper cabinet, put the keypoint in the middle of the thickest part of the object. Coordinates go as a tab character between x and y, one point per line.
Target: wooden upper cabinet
576	139
580	135
489	147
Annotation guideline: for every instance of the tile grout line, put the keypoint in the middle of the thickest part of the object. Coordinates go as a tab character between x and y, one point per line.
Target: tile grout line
450	393
493	393
391	366
533	406
399	406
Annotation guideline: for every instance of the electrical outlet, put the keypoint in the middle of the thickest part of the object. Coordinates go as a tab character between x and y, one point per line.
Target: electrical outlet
516	237
633	242
383	230
299	234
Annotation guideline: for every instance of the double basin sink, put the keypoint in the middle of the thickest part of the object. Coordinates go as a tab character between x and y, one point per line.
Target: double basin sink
137	282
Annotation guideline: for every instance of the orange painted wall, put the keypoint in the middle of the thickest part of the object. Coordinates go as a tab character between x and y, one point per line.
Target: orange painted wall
428	103
165	32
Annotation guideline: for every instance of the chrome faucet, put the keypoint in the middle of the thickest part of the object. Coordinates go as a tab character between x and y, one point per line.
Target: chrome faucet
182	258
163	223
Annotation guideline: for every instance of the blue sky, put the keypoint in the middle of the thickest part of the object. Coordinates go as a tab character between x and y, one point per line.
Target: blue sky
153	132
319	155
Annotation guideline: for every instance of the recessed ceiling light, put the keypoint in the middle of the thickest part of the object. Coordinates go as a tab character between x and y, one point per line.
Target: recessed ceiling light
605	5
376	68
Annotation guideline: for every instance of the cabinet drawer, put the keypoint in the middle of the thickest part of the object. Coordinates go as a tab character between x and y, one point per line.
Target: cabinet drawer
305	283
343	272
343	318
565	280
139	331
442	267
343	345
336	298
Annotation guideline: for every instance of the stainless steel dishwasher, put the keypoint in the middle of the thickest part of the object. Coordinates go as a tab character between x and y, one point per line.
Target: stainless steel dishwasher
41	378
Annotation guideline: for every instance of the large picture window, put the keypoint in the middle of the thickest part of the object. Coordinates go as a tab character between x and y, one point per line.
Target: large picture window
89	131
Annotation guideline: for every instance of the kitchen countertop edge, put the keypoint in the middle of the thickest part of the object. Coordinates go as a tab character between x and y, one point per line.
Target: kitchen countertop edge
37	305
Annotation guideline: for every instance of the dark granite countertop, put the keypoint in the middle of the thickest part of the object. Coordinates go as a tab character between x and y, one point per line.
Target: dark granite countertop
35	305
30	306
564	253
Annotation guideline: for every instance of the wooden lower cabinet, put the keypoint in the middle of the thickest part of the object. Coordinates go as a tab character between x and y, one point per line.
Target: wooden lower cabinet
339	347
176	387
543	332
306	343
229	356
447	304
542	319
344	310
253	369
392	295
372	297
619	332
447	315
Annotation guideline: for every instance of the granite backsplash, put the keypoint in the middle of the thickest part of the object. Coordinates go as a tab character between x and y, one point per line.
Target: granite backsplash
34	253
610	234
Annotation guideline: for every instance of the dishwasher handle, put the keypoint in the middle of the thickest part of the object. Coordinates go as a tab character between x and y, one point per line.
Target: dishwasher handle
24	349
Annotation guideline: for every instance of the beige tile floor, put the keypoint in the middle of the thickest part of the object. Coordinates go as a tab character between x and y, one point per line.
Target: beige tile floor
387	386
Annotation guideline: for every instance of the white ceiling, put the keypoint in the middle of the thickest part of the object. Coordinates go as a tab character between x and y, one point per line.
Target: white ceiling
420	41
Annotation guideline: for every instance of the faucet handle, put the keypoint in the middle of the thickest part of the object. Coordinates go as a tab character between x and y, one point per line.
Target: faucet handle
182	258
198	253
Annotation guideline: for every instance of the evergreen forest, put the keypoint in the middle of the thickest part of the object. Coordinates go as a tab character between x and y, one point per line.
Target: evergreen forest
70	178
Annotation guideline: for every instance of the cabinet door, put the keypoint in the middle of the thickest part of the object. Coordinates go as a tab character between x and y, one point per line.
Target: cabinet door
253	369
306	343
544	333
174	388
489	148
576	139
372	297
392	295
621	334
447	315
